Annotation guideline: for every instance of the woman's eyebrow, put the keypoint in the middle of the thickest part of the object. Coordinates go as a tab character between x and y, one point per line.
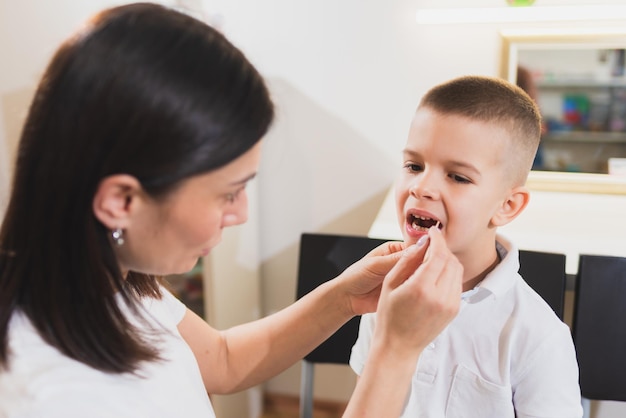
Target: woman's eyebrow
244	180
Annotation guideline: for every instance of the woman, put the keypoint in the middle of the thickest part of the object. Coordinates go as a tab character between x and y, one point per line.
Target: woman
136	152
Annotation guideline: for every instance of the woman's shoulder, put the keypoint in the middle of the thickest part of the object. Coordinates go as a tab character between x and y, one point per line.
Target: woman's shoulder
37	375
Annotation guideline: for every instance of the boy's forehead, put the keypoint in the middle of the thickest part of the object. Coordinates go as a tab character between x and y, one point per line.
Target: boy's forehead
460	132
497	141
421	116
426	120
426	116
423	112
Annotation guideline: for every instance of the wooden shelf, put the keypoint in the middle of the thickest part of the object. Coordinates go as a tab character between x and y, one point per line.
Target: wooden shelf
584	136
573	83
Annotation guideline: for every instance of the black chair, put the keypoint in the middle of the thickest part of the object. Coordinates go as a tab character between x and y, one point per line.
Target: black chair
545	273
599	327
324	257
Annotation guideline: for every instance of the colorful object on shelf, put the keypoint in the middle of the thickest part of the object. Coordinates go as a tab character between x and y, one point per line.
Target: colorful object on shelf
617	119
576	110
520	3
189	288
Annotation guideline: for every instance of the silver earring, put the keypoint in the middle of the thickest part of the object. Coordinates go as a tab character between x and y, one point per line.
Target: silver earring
118	236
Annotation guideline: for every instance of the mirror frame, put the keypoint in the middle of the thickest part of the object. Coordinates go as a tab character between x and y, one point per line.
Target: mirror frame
553	180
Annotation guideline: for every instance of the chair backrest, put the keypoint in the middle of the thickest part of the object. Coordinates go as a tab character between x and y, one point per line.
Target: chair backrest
322	258
599	327
545	273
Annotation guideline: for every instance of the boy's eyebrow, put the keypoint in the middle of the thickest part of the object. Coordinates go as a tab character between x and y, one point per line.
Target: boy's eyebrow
410	153
465	165
456	164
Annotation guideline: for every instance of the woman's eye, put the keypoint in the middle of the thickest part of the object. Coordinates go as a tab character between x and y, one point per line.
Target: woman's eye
232	197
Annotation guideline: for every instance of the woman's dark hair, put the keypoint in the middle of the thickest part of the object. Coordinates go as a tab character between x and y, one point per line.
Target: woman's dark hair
142	90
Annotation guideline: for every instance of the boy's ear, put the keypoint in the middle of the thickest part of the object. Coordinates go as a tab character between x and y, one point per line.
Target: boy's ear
113	200
512	206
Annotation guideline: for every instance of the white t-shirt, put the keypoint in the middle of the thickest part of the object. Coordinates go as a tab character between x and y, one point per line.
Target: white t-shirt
42	382
506	354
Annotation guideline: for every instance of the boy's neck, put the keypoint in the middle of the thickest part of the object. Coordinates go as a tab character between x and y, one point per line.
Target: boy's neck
472	282
478	268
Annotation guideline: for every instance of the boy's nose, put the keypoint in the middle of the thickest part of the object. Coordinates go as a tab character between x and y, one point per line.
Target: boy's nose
424	187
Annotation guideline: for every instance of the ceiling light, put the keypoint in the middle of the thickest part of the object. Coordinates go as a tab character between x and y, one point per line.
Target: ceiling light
520	14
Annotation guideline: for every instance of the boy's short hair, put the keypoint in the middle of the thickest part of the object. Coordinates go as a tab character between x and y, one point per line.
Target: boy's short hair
493	100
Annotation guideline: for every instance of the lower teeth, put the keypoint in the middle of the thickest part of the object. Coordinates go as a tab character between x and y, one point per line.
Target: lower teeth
415	225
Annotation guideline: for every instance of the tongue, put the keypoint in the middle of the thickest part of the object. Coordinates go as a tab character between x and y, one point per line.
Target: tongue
422	224
425	223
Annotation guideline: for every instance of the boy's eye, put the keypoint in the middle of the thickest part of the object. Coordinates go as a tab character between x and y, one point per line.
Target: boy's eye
459	179
413	167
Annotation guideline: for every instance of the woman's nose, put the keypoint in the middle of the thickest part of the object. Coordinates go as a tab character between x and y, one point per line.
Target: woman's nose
238	212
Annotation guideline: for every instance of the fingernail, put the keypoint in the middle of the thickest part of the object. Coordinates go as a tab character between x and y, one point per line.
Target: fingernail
423	240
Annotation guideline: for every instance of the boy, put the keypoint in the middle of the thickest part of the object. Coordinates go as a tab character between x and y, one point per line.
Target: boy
470	147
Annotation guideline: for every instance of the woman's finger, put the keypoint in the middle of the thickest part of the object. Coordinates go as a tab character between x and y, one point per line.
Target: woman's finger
409	261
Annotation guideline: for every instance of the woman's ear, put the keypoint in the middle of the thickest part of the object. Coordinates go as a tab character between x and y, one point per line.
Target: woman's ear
113	200
512	206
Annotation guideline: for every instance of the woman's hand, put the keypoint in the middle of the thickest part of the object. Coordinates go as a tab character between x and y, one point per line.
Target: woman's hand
420	295
362	281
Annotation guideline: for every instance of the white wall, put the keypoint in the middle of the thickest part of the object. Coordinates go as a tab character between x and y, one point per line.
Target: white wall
346	76
366	64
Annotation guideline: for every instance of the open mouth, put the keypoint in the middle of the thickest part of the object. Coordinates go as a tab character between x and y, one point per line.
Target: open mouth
421	223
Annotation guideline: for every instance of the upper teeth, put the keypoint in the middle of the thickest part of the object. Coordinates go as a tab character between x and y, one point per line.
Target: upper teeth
416	224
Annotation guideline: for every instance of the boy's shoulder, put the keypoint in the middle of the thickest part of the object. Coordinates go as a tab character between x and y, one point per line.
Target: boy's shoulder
512	292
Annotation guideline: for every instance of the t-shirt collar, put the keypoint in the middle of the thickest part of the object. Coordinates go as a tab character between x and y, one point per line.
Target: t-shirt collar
498	281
